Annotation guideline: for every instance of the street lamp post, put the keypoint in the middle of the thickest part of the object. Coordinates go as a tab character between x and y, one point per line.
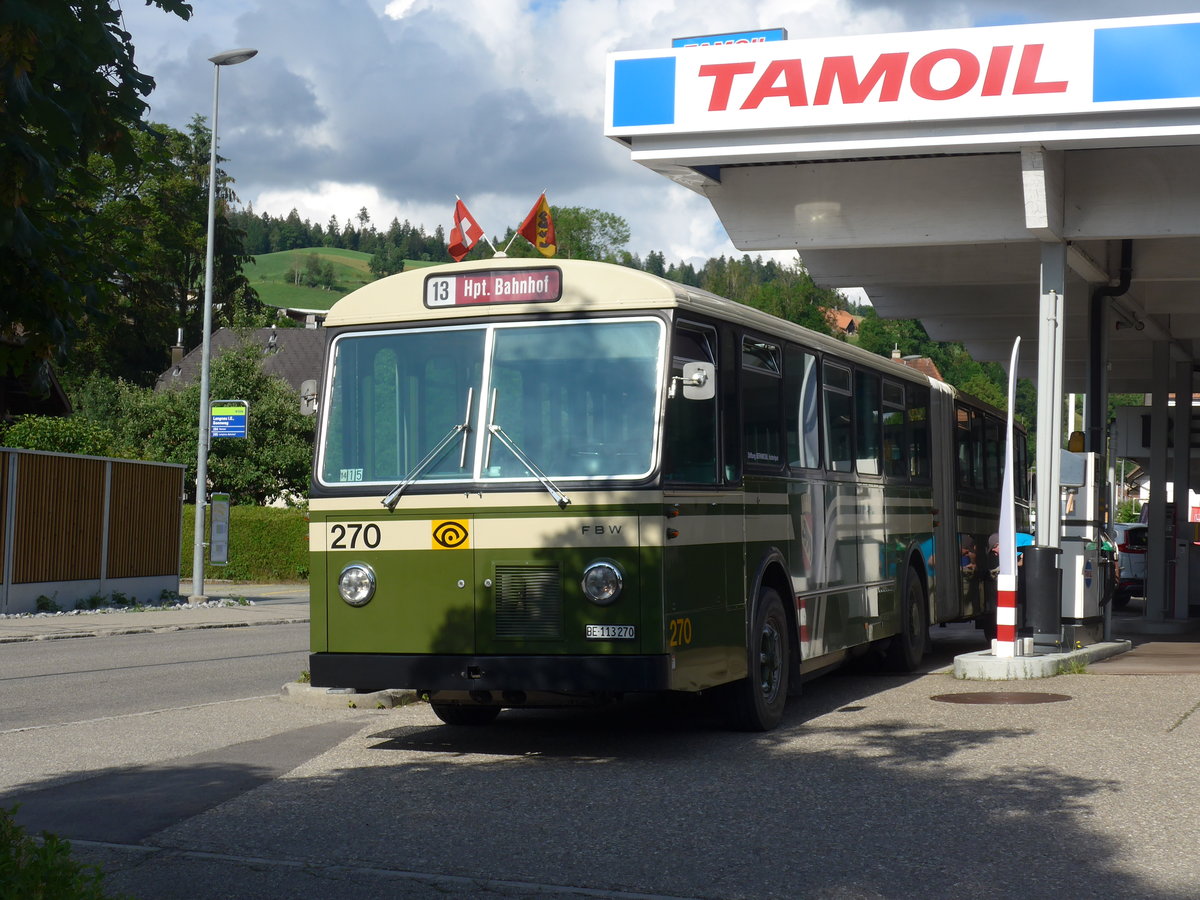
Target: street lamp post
204	434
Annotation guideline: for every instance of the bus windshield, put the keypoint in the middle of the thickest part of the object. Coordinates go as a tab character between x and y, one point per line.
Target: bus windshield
579	399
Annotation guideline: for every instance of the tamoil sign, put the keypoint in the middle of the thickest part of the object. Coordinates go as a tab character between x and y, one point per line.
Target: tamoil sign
1061	68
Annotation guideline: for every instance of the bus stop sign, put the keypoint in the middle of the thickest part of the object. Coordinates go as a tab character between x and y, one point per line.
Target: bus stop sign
228	418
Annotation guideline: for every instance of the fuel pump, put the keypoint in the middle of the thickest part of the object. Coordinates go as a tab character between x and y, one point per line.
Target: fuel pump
1085	567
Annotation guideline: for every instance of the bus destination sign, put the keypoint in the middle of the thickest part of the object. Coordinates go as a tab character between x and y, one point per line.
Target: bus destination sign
497	286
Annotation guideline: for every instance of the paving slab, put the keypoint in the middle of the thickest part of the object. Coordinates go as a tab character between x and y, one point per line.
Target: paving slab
1155	657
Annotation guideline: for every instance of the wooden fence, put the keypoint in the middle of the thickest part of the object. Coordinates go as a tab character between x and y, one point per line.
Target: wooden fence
74	527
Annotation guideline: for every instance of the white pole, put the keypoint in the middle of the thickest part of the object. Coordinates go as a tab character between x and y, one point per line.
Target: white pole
1006	578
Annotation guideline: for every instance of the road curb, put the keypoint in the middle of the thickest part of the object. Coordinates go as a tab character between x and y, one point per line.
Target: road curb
343	698
983	666
150	629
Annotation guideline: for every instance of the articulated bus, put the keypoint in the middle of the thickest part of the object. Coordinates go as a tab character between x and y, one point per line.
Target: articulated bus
557	482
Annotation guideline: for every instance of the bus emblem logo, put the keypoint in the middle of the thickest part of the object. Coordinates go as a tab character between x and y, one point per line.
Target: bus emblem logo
450	535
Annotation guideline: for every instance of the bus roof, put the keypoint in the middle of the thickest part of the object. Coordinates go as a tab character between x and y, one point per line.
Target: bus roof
586	286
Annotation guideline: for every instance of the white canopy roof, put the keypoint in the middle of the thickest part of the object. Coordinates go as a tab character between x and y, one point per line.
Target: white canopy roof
932	168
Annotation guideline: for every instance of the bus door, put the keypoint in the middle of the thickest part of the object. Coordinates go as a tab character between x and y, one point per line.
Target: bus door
947	597
704	539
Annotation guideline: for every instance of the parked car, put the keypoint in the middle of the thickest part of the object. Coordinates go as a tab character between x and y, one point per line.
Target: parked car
1131	563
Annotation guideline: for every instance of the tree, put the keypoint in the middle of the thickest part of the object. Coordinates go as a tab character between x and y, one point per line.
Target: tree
791	294
580	234
150	229
272	462
589	233
294	234
387	261
69	89
655	263
883	335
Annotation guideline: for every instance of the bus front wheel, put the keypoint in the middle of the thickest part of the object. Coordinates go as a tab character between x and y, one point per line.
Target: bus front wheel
465	715
756	702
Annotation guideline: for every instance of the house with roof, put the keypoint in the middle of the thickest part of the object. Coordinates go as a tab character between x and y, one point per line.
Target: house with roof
293	354
922	364
842	322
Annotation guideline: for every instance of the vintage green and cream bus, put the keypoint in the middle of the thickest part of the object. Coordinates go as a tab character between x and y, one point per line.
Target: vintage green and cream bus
558	482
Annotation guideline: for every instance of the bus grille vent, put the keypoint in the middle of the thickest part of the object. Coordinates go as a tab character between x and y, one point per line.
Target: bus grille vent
528	602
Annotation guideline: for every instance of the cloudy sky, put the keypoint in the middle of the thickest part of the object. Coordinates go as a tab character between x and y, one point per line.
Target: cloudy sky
399	105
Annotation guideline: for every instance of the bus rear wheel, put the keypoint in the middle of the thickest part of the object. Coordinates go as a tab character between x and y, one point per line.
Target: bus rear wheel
465	715
907	648
756	702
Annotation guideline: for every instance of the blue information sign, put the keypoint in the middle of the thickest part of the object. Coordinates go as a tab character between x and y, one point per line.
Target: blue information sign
228	418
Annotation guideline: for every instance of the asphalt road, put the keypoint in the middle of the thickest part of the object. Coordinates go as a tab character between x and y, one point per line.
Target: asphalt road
53	682
872	787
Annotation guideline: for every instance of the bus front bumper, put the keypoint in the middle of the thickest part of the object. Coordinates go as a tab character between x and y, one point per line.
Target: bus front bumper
553	674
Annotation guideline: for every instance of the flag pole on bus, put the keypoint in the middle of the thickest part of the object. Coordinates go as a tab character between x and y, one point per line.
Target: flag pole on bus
1006	579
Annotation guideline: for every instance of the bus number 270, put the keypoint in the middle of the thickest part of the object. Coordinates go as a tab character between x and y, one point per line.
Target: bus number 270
681	632
347	537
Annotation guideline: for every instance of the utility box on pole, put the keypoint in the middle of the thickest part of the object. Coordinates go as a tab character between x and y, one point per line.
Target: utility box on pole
218	543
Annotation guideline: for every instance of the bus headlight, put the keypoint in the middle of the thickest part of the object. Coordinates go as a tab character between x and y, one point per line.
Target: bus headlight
356	584
602	582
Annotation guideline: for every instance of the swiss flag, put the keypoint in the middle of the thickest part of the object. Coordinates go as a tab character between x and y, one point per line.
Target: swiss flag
466	232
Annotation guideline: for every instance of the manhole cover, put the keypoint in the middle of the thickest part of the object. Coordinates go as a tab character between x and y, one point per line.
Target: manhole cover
1007	697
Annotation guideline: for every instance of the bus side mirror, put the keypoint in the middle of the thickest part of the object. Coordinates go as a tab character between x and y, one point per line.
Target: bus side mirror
308	397
699	381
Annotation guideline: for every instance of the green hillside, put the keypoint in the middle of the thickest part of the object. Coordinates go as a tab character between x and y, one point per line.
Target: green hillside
270	276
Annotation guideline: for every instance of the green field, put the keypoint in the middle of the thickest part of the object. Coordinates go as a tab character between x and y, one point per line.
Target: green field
269	276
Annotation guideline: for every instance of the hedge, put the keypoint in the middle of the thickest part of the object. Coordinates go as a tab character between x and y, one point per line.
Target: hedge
267	545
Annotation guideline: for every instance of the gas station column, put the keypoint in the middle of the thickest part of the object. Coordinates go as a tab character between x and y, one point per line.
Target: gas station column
1050	376
1181	527
1156	545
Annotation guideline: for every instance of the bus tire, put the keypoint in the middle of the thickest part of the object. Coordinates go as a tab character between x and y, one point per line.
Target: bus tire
475	716
906	649
756	702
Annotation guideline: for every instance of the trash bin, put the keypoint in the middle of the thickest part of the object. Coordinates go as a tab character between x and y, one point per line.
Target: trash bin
1042	600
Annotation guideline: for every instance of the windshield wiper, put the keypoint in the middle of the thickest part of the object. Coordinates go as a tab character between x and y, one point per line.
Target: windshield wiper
435	454
493	429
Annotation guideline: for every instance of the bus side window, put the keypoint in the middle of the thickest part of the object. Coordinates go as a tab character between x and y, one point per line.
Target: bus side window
839	417
993	452
867	406
762	387
691	430
977	449
1021	465
918	433
962	445
801	394
893	430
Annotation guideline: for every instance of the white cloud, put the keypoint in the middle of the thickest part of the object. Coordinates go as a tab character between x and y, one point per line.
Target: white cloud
398	105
